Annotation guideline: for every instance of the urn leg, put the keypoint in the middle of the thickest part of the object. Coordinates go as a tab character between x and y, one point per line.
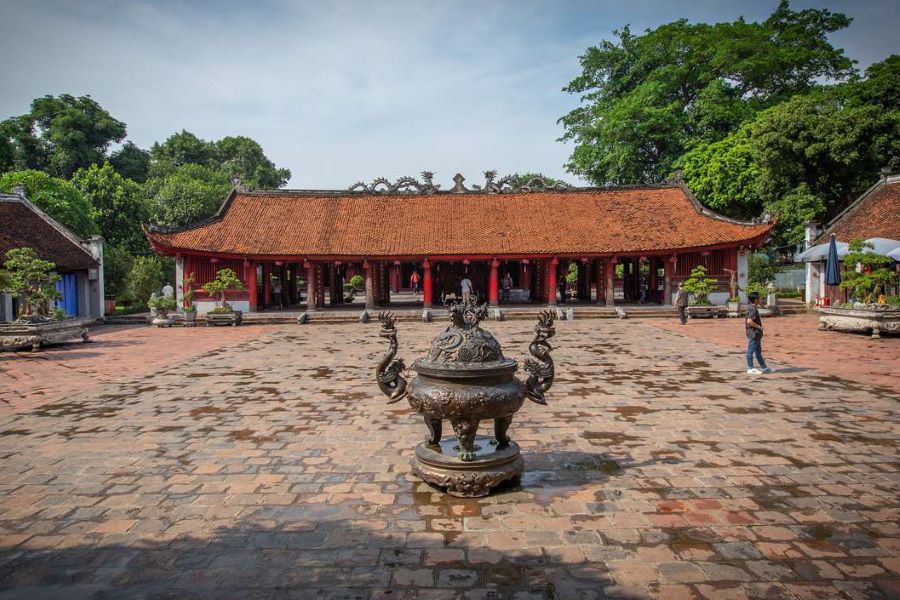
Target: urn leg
434	430
465	433
501	426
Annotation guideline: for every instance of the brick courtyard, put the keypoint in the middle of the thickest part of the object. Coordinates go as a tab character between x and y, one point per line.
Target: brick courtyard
262	462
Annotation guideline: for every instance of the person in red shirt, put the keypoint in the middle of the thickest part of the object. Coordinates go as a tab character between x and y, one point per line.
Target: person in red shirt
414	282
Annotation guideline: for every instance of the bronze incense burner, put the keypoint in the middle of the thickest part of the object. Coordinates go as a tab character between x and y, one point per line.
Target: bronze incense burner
465	378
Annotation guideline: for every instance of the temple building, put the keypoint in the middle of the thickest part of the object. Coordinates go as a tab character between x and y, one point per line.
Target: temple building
627	244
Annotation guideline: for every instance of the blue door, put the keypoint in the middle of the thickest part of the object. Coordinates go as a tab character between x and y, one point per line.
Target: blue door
68	287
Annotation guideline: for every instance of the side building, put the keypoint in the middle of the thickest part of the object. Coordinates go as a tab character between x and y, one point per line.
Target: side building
78	262
874	216
627	244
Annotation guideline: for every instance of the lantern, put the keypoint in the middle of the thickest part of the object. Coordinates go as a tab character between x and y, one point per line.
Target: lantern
214	260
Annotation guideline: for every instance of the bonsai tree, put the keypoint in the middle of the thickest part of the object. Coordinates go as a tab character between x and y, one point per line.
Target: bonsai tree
865	273
188	293
356	283
33	280
226	279
700	285
572	279
163	305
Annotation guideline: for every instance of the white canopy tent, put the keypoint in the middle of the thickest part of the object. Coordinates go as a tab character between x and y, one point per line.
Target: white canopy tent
819	252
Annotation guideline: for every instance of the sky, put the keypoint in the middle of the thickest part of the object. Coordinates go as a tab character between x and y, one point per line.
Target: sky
341	91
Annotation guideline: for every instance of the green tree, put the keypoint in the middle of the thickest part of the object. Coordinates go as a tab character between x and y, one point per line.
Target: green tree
131	162
233	156
117	264
646	99
57	197
61	134
145	277
240	156
32	279
805	158
118	206
186	195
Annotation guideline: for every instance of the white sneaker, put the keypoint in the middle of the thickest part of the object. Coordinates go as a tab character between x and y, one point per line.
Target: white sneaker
754	371
767	370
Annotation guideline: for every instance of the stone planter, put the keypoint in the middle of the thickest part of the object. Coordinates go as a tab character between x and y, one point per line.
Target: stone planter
734	309
230	318
16	336
162	321
874	319
705	312
190	318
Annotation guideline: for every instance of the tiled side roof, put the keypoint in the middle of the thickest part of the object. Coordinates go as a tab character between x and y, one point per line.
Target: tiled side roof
589	221
21	224
875	214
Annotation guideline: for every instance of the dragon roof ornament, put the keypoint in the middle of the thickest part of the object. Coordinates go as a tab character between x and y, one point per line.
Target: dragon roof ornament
509	184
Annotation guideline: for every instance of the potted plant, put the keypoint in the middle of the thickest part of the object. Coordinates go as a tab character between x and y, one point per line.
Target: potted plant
33	281
162	306
734	301
224	314
187	294
865	277
355	284
700	287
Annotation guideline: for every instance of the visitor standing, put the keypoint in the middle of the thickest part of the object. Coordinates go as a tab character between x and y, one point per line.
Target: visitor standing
466	288
505	286
167	290
414	282
754	329
681	302
277	289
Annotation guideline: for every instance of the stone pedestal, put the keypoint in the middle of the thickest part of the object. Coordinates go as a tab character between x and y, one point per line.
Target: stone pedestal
441	466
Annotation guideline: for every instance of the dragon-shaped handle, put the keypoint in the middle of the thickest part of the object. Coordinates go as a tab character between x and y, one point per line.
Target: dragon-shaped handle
389	372
540	368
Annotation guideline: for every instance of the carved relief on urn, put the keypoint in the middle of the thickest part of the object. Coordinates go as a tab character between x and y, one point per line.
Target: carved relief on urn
464	379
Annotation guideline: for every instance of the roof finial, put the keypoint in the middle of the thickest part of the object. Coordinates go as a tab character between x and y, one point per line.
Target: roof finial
458	187
885	173
19	190
236	181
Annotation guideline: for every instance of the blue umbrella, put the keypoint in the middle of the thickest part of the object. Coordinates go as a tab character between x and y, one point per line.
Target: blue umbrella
832	267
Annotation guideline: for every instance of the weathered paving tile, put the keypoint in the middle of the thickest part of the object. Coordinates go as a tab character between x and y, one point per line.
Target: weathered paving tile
262	460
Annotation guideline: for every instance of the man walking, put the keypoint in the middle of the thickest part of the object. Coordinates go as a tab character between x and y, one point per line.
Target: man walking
681	302
414	282
754	328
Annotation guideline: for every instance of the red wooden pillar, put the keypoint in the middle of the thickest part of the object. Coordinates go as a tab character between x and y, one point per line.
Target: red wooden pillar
610	281
250	278
426	283
525	276
652	282
668	271
599	278
320	285
395	277
310	287
551	281
494	284
267	289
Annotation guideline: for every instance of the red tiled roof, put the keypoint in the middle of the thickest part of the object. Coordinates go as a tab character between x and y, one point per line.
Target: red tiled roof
875	214
586	221
21	224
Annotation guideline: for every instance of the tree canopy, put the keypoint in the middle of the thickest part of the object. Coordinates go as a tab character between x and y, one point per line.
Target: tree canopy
59	135
646	99
56	197
118	206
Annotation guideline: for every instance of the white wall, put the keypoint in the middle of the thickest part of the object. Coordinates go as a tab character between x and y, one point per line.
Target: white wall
204	306
814	281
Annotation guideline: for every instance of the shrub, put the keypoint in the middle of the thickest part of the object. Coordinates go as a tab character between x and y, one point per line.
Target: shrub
356	283
163	305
